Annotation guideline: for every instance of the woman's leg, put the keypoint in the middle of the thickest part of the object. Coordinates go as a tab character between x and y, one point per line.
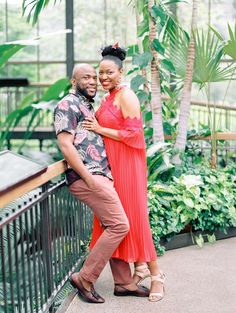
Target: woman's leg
157	281
141	272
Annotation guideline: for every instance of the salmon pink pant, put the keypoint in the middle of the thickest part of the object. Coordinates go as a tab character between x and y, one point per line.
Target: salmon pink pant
106	205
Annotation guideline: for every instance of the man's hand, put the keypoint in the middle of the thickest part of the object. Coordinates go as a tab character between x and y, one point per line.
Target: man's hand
91	182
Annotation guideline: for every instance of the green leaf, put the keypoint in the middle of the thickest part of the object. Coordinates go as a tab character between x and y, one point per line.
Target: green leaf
199	240
55	91
148	116
158	12
143	59
174	1
158	46
140	6
211	238
230	47
136	82
133	70
168	65
148	132
146	44
143	27
189	202
34	8
142	96
7	51
131	50
168	128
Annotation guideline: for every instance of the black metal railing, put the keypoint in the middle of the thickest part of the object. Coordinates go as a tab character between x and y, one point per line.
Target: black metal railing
42	240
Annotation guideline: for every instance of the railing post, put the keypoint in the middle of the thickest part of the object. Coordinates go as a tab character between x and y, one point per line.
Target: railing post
69	37
47	241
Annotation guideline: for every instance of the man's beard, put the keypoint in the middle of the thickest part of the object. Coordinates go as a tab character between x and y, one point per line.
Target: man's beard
84	92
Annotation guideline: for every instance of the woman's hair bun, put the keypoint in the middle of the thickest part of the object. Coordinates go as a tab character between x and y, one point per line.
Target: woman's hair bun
114	51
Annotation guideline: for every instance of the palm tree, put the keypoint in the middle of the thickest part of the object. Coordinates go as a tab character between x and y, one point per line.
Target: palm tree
210	48
156	103
186	93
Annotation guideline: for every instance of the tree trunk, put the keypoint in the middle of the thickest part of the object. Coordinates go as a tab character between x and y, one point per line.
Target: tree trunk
140	47
181	139
156	104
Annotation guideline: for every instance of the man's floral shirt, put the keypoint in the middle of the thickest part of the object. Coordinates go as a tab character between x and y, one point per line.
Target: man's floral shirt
69	114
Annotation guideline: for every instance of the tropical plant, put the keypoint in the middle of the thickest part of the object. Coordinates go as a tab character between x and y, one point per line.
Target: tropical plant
7	50
154	22
158	161
34	110
202	198
35	7
156	103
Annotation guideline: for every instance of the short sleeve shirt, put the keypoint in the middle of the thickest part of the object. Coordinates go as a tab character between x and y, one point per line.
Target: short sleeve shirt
69	114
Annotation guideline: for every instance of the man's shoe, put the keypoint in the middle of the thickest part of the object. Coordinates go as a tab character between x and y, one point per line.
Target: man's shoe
84	294
121	291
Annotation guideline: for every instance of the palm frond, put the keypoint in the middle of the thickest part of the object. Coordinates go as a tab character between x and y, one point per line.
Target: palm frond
208	57
230	47
33	8
209	50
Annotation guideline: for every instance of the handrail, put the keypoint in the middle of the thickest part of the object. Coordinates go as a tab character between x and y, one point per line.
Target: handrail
59	167
206	104
52	171
216	136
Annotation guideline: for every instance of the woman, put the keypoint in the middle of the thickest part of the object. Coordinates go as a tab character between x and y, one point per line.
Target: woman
120	123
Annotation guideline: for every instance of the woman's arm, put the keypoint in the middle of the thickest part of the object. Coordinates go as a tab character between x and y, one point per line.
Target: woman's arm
93	125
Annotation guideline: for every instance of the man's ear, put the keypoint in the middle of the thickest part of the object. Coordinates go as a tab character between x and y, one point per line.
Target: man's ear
73	81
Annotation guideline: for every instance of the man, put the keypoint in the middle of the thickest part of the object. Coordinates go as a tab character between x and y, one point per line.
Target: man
89	179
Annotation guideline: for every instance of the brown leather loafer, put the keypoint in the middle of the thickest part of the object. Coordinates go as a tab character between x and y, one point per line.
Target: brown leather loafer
85	295
121	291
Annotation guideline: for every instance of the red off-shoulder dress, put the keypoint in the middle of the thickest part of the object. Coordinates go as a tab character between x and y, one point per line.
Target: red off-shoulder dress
127	159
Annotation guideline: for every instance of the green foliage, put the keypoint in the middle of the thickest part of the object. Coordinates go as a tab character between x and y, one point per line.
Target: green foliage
35	7
158	46
209	52
136	82
7	51
230	44
158	160
203	198
230	47
34	110
142	60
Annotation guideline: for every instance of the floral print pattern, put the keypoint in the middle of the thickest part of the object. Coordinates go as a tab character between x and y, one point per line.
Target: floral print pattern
69	114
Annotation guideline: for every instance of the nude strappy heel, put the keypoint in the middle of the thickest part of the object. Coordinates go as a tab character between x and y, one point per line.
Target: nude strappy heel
157	296
142	271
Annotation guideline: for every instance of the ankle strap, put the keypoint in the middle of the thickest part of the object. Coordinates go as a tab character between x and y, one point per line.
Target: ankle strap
160	278
141	267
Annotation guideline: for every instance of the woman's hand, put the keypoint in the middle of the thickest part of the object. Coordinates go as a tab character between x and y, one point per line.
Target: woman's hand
91	124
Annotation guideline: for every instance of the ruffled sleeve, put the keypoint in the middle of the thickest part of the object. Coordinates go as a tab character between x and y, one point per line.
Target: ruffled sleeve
132	133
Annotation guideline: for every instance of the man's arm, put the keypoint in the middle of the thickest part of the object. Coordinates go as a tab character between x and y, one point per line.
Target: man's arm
71	155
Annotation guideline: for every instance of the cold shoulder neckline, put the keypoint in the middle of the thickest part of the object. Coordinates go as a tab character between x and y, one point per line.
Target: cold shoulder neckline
108	102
